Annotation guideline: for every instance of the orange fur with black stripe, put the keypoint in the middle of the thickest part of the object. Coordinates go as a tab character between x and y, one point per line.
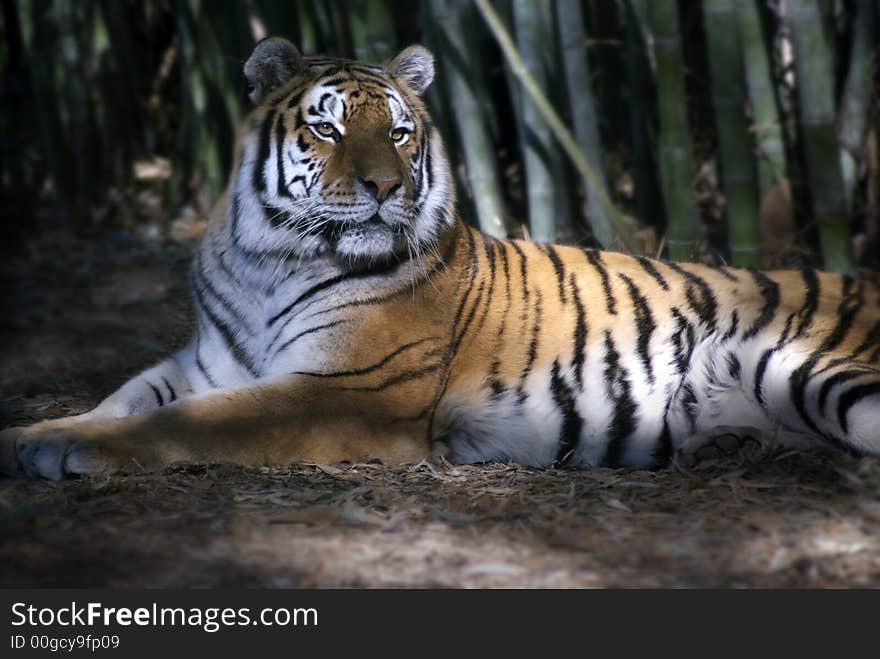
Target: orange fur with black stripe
346	313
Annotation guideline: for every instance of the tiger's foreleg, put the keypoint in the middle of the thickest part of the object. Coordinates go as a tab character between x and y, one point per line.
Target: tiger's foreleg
163	384
269	422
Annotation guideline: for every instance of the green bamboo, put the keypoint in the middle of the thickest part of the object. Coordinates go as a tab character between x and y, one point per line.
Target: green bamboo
573	47
766	124
640	106
856	97
815	90
457	53
554	87
562	134
676	167
734	145
535	140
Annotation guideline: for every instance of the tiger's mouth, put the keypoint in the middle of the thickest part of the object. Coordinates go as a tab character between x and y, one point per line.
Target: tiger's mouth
370	241
333	230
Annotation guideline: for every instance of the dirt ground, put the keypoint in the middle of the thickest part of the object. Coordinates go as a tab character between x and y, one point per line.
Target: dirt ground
78	317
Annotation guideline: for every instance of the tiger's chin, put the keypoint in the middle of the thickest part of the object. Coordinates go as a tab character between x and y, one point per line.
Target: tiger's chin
369	245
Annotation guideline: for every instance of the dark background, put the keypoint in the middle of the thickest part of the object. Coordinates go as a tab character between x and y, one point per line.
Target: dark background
119	115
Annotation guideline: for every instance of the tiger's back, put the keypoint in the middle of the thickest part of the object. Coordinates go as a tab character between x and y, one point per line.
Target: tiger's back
588	358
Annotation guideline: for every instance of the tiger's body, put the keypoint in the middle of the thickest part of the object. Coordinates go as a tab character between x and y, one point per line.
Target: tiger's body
346	313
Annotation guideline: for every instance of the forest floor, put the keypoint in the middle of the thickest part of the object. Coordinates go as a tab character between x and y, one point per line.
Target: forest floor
78	317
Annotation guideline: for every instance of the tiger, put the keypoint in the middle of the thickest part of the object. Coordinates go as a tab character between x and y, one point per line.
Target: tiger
345	312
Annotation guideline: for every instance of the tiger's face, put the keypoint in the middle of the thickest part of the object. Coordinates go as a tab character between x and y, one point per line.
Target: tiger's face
339	158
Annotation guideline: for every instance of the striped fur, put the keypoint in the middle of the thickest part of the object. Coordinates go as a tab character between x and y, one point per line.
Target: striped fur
334	327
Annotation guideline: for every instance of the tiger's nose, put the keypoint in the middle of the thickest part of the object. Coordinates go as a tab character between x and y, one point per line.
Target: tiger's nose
380	187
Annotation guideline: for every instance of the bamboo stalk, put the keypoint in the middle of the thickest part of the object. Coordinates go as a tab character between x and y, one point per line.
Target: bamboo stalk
535	137
573	46
766	123
737	162
554	86
815	91
856	97
641	106
562	134
451	17
676	168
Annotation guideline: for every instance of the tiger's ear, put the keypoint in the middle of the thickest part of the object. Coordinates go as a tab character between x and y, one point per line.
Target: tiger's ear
414	66
273	63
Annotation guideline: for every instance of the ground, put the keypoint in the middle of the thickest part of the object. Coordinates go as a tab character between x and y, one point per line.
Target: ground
79	316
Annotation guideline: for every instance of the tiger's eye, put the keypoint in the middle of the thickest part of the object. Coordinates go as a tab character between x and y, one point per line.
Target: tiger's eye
327	129
398	134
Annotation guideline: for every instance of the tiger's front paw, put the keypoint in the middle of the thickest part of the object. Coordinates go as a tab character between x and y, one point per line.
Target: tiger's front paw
56	453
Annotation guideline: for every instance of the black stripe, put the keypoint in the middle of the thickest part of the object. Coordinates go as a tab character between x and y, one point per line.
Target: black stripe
761	368
438	267
811	300
724	272
311	330
489	248
280	135
204	284
872	338
226	333
734	326
663	449
648	265
170	390
473	269
800	377
623	420
572	423
851	397
259	174
558	268
295	99
532	353
327	283
406	376
689	405
367	369
770	292
595	259
580	333
645	324
227	270
683	340
839	378
157	393
699	296
733	366
494	383
523	269
201	366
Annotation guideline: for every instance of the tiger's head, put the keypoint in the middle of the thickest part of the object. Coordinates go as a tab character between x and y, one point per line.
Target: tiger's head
339	158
